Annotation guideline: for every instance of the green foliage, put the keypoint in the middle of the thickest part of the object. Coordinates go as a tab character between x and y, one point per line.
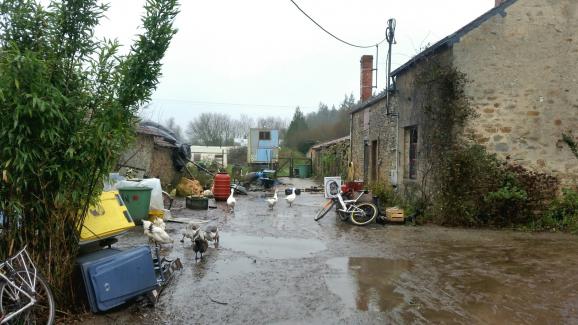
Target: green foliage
68	106
464	185
324	125
295	137
571	143
562	214
386	195
464	175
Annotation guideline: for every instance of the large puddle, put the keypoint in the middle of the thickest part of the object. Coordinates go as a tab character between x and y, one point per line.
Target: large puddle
367	283
270	247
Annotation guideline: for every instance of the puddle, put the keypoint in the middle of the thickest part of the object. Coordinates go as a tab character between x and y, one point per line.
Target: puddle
232	268
270	247
366	283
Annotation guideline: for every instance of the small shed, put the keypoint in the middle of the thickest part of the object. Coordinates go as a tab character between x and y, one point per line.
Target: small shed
151	156
263	146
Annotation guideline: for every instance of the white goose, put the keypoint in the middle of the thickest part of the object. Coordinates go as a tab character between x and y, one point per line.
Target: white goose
189	231
271	202
156	234
231	201
291	197
159	222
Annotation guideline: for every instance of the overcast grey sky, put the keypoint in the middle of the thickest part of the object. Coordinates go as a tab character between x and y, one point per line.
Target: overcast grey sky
264	57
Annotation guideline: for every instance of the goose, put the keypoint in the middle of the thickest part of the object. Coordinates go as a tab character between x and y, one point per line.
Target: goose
212	234
273	201
231	201
291	197
200	243
189	231
156	234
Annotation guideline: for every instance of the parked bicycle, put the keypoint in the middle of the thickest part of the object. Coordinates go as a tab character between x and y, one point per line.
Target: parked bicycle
25	297
359	214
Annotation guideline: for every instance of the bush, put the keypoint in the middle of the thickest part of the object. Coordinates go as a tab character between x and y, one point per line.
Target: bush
562	214
464	177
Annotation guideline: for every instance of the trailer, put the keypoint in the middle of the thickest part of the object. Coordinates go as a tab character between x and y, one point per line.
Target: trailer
263	147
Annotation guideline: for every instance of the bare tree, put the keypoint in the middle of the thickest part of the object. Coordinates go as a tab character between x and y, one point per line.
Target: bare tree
173	126
272	123
243	124
211	129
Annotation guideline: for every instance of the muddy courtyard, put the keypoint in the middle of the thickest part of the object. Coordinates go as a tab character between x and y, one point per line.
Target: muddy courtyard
281	267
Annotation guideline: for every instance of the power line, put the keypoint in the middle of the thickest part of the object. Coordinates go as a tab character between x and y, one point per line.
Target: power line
328	32
232	104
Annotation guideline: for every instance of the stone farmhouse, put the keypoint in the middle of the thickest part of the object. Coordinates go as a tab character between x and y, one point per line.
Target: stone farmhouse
521	62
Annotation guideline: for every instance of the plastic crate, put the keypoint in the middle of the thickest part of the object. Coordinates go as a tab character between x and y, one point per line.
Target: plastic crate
112	277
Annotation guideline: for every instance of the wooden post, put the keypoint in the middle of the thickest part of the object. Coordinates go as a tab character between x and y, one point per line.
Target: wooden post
291	166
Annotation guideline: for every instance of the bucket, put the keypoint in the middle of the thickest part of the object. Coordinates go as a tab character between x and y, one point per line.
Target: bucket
137	200
222	186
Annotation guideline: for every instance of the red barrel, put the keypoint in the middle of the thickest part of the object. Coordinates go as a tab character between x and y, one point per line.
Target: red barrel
222	186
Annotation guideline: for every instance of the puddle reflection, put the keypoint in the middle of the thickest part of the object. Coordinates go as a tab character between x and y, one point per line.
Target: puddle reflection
367	283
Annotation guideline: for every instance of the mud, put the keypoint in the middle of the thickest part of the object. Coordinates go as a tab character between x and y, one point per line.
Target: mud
281	267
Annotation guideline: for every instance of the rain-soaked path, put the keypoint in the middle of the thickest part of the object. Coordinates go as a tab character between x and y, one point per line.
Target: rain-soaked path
281	267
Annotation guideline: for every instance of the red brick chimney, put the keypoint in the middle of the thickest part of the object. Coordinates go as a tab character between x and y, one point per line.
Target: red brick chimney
366	86
499	2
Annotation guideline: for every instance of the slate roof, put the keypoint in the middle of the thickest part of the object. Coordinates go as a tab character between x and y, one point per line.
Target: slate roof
450	40
444	43
325	144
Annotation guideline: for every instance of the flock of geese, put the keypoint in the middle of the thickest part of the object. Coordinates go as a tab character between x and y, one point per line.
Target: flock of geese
200	237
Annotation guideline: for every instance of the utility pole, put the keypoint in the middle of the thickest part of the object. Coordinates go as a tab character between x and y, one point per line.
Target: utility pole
390	37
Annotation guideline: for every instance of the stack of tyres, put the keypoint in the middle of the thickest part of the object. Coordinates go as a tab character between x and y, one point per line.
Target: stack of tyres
112	277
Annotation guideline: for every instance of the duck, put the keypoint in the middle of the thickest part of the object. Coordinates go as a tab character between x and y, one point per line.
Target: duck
212	234
200	243
291	197
189	231
272	201
156	234
231	201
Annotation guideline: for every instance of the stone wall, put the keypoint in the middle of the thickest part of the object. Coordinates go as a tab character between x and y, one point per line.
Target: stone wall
138	156
162	166
380	133
331	160
523	68
409	102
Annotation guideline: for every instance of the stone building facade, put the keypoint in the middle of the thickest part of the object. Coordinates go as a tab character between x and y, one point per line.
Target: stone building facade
521	61
330	158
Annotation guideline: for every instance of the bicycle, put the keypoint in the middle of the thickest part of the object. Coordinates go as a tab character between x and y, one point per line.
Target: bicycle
359	214
25	297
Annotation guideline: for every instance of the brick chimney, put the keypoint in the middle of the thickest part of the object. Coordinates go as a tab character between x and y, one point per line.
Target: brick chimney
366	86
499	2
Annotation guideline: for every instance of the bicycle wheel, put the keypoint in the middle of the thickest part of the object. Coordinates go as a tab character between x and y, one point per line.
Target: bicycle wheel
11	300
366	215
325	209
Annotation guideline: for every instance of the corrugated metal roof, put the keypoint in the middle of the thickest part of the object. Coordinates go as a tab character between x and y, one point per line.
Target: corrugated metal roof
450	40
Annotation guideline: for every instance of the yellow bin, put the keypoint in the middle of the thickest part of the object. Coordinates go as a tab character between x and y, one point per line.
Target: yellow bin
108	218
